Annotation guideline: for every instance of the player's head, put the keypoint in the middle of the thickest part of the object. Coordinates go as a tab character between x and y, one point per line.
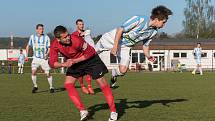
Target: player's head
61	33
79	25
21	51
198	44
159	16
40	29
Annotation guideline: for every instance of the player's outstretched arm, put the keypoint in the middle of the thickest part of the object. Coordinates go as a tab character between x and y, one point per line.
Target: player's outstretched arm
117	40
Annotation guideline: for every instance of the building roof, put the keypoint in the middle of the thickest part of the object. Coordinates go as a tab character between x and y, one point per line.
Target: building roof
179	44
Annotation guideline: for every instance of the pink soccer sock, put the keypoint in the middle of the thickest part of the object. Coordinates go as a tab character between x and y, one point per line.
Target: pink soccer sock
81	81
74	96
109	97
88	79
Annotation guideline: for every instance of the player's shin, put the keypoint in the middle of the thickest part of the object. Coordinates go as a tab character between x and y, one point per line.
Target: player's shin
19	70
50	82
108	96
34	80
74	96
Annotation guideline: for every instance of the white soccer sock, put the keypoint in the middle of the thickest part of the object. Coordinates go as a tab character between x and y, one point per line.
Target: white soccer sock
50	82
22	70
200	70
116	72
34	80
194	71
19	70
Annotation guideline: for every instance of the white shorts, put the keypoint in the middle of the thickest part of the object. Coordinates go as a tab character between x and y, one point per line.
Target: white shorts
20	65
106	43
40	62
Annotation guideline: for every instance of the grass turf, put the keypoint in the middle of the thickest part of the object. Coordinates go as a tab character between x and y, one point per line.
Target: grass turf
139	97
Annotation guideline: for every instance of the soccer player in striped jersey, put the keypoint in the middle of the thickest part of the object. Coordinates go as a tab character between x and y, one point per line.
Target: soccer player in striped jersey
136	29
40	43
197	52
21	61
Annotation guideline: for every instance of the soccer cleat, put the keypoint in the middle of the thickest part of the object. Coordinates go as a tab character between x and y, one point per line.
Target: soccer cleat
91	91
113	116
51	90
84	115
34	89
113	81
84	90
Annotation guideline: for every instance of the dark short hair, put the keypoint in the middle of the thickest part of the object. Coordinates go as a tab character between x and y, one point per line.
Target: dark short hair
59	30
39	25
198	43
78	20
160	12
21	50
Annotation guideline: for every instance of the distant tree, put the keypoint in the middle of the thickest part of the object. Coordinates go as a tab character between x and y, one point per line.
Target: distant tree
199	19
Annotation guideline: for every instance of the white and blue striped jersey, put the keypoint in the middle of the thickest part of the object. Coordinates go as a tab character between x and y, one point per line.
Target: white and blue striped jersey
40	45
136	29
197	53
21	58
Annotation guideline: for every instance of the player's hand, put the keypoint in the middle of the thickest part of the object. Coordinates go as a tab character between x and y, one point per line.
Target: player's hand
152	59
69	63
66	64
114	51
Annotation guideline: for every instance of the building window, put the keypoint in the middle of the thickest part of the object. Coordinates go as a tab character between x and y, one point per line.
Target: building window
176	55
134	57
112	59
183	55
142	58
204	55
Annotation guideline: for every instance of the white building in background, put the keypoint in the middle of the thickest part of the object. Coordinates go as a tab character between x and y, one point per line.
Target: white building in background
168	53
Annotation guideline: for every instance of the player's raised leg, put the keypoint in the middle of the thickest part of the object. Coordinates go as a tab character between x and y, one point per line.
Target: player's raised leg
89	84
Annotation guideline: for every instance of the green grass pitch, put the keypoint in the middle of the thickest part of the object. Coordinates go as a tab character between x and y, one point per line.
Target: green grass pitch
162	96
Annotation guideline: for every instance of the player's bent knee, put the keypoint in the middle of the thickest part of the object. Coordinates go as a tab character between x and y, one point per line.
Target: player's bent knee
68	82
101	81
123	70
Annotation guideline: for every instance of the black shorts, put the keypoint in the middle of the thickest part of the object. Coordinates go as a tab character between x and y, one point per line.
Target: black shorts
92	66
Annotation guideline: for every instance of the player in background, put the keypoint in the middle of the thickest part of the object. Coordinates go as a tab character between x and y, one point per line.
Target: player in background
136	29
40	44
197	52
87	37
81	60
21	61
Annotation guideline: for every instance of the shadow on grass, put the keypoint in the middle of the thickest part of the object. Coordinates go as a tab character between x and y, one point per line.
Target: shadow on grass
124	104
56	90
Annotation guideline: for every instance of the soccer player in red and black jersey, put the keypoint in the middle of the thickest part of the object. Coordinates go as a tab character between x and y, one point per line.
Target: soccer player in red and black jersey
81	60
81	32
